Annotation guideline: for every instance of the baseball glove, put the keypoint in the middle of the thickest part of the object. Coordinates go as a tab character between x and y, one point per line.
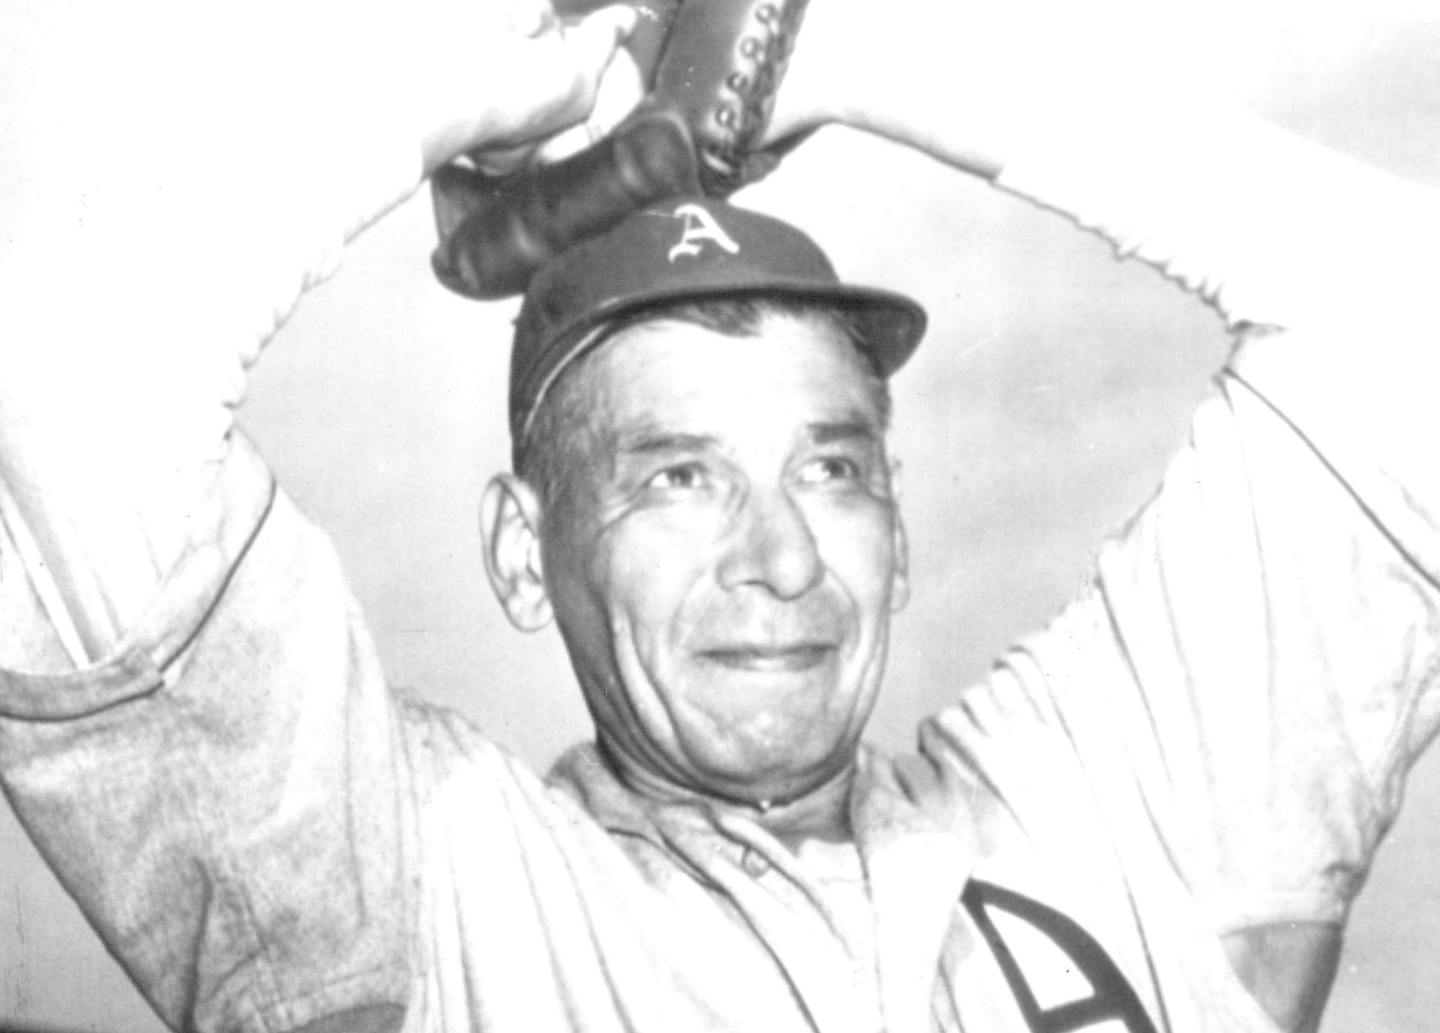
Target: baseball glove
711	68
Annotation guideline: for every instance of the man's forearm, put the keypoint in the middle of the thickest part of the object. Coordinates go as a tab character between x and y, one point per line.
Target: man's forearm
1269	228
1107	116
174	194
112	426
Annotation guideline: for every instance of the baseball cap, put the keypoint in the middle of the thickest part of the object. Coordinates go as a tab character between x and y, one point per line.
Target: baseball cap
681	250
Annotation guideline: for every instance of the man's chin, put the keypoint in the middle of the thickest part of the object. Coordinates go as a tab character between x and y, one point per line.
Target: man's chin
761	713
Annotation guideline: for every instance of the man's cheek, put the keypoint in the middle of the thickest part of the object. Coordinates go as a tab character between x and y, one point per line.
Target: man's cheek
657	588
858	547
661	549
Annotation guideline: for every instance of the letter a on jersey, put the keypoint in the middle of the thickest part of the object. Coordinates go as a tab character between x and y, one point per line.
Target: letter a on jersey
698	228
1113	1004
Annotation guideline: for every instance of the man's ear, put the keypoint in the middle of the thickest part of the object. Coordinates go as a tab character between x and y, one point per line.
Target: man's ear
900	577
510	529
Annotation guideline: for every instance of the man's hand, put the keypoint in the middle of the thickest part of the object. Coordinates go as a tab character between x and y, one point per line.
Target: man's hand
525	79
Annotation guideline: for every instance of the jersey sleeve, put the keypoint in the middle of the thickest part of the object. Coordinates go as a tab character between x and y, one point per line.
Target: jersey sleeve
226	794
1252	672
193	727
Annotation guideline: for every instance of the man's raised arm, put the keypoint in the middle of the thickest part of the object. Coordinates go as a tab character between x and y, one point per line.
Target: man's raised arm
1253	667
174	180
193	727
1124	121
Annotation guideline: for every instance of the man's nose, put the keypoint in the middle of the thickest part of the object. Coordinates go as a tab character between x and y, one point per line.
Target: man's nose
770	545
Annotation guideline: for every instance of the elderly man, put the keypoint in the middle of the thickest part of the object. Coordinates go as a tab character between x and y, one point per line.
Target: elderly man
1150	817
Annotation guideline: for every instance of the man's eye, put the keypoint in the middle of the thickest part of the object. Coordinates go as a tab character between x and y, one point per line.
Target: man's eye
682	477
829	469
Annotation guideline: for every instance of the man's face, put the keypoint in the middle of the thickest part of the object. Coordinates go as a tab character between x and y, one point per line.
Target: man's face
723	574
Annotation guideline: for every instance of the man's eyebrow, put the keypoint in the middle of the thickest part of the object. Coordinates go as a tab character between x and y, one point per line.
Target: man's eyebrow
654	440
850	428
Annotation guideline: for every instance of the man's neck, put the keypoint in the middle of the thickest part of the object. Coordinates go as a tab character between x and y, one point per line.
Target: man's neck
821	812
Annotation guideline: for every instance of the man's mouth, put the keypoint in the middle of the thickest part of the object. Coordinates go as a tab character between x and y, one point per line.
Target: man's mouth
792	658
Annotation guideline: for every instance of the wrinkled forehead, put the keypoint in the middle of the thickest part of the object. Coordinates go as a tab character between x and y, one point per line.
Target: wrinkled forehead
659	387
792	369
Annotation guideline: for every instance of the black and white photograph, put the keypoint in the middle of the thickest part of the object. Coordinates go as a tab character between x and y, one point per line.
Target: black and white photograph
710	516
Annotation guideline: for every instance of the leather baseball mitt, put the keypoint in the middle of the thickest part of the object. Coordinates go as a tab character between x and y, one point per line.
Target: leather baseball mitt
711	67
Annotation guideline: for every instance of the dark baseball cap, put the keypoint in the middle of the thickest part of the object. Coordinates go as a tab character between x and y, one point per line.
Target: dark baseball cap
681	250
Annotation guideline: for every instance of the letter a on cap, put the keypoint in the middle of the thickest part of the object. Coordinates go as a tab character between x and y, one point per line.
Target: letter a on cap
699	226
